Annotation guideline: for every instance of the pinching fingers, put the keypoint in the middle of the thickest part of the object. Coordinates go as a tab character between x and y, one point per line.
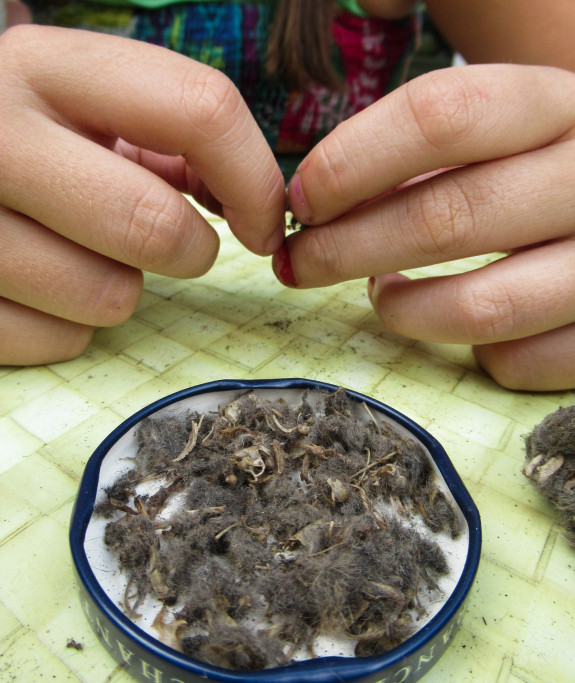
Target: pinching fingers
446	118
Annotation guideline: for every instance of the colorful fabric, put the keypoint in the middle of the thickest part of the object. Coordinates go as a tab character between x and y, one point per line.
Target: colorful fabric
350	5
371	56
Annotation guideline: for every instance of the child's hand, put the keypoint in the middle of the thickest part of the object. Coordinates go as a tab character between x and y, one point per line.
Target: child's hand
83	208
508	135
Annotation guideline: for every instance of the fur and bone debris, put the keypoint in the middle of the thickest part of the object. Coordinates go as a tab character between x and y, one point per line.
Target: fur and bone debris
550	463
298	519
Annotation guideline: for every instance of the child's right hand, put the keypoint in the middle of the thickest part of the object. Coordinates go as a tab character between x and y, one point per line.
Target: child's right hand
100	135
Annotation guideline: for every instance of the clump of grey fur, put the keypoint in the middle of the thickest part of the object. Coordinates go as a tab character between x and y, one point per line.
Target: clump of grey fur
299	519
550	463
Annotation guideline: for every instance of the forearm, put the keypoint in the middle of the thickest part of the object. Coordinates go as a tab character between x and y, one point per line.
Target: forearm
518	31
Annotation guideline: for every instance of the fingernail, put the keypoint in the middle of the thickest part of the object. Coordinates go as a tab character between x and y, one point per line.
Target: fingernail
282	267
275	241
374	289
297	200
376	285
370	286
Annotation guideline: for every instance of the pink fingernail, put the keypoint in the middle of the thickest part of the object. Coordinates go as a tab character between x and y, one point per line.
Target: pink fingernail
281	264
297	200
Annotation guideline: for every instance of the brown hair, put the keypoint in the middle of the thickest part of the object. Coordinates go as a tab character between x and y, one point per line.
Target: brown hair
299	47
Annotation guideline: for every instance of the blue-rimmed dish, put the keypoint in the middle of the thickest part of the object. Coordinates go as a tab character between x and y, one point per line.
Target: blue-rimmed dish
146	658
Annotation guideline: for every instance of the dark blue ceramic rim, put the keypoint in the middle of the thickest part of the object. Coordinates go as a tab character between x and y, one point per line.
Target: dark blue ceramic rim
148	659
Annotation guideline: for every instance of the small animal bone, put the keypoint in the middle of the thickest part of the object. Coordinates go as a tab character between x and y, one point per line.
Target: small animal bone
339	491
250	460
188	448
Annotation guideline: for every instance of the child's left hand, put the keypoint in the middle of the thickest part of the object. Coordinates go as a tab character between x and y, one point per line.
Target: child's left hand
507	134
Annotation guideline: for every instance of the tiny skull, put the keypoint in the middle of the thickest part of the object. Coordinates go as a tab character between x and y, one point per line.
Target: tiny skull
249	460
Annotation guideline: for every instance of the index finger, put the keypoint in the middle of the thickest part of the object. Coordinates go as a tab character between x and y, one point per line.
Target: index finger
450	117
165	102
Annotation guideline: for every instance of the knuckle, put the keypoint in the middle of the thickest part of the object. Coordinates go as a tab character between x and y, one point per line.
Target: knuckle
485	312
444	219
445	108
13	39
117	300
334	167
324	252
154	238
209	100
20	46
12	57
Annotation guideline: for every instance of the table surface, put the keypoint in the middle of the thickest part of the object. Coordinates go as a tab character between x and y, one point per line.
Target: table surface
239	322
